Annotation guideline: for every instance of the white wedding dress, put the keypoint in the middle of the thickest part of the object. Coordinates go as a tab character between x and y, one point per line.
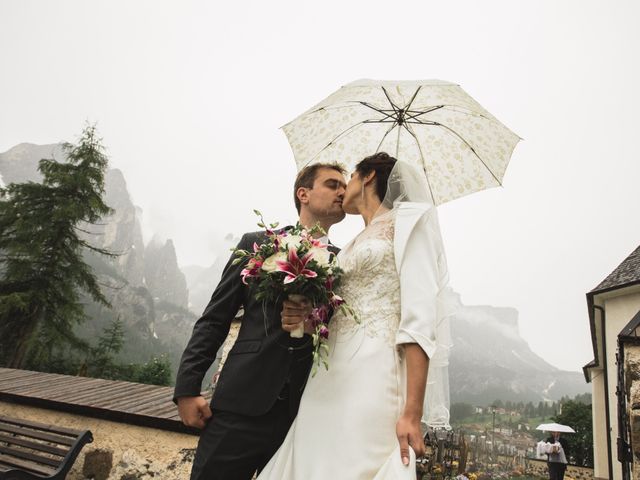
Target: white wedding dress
346	425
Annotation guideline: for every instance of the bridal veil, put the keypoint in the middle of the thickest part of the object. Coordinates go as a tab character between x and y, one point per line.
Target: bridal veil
427	302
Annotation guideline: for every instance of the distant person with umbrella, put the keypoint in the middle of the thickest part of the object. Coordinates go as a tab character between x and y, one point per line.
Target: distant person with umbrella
557	457
557	449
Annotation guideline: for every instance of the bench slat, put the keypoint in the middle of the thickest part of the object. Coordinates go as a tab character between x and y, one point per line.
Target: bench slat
43	447
37	434
42	426
11	463
32	457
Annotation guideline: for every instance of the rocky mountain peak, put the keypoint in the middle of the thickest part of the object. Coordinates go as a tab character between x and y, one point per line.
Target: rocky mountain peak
162	274
20	163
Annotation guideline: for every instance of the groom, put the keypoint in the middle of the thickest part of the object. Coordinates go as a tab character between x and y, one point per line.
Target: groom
258	392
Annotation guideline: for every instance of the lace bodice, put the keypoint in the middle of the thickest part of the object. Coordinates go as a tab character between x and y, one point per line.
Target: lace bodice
370	284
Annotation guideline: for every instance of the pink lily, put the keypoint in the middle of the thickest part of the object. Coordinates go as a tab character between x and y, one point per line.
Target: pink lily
294	267
318	243
251	270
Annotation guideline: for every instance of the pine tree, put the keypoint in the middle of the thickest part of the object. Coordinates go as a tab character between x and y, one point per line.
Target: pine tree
42	271
579	416
100	363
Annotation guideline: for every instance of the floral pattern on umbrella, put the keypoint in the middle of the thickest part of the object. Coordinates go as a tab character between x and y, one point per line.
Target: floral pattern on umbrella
431	124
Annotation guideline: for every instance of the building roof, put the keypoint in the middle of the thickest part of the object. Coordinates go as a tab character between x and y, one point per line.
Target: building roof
115	400
585	370
628	272
631	331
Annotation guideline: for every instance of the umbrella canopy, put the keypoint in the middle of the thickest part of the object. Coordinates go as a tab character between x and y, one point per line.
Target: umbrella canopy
555	427
431	124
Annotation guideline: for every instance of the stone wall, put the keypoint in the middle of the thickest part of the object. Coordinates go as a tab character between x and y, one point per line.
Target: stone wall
229	341
538	468
119	451
632	384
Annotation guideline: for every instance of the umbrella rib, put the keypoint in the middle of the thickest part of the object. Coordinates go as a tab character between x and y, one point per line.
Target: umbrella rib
463	110
379	110
344	132
384	120
393	105
424	161
348	104
406	108
414	114
385	136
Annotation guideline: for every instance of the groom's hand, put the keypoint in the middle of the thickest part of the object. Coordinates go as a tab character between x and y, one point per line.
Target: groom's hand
194	411
409	435
294	314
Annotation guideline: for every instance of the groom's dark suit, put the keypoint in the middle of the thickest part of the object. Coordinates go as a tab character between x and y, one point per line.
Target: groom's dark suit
258	392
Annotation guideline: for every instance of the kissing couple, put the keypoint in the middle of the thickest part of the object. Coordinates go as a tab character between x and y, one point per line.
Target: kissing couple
362	418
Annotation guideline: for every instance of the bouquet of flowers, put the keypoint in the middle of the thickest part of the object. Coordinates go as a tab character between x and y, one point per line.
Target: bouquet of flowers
293	264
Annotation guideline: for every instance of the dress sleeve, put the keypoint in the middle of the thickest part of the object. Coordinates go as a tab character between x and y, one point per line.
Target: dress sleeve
420	249
427	302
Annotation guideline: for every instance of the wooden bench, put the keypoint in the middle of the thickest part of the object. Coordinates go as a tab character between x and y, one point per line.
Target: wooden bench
30	450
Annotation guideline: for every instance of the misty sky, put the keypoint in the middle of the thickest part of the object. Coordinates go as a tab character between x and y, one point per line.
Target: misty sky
189	96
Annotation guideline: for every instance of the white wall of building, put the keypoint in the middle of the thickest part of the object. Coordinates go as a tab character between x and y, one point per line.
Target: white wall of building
620	307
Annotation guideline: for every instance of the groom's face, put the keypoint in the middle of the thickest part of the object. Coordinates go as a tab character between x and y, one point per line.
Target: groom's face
325	198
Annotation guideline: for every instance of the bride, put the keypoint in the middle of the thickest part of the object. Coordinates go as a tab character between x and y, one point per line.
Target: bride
361	419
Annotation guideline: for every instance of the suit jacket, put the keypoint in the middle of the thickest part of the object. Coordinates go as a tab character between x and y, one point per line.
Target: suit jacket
264	363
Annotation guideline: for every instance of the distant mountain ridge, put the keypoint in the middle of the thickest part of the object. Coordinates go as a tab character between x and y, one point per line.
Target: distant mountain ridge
490	360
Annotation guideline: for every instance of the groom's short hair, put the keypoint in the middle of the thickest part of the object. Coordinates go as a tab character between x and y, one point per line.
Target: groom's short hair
307	176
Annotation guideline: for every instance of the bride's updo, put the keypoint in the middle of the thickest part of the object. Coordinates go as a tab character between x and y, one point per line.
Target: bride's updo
382	163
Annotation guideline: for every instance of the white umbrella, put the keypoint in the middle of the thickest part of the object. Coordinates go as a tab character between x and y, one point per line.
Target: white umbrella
555	427
431	124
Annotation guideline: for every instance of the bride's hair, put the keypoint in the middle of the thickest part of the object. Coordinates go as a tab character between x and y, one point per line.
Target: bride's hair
382	163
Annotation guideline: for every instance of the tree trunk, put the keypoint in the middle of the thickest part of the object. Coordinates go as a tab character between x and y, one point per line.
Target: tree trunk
23	336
